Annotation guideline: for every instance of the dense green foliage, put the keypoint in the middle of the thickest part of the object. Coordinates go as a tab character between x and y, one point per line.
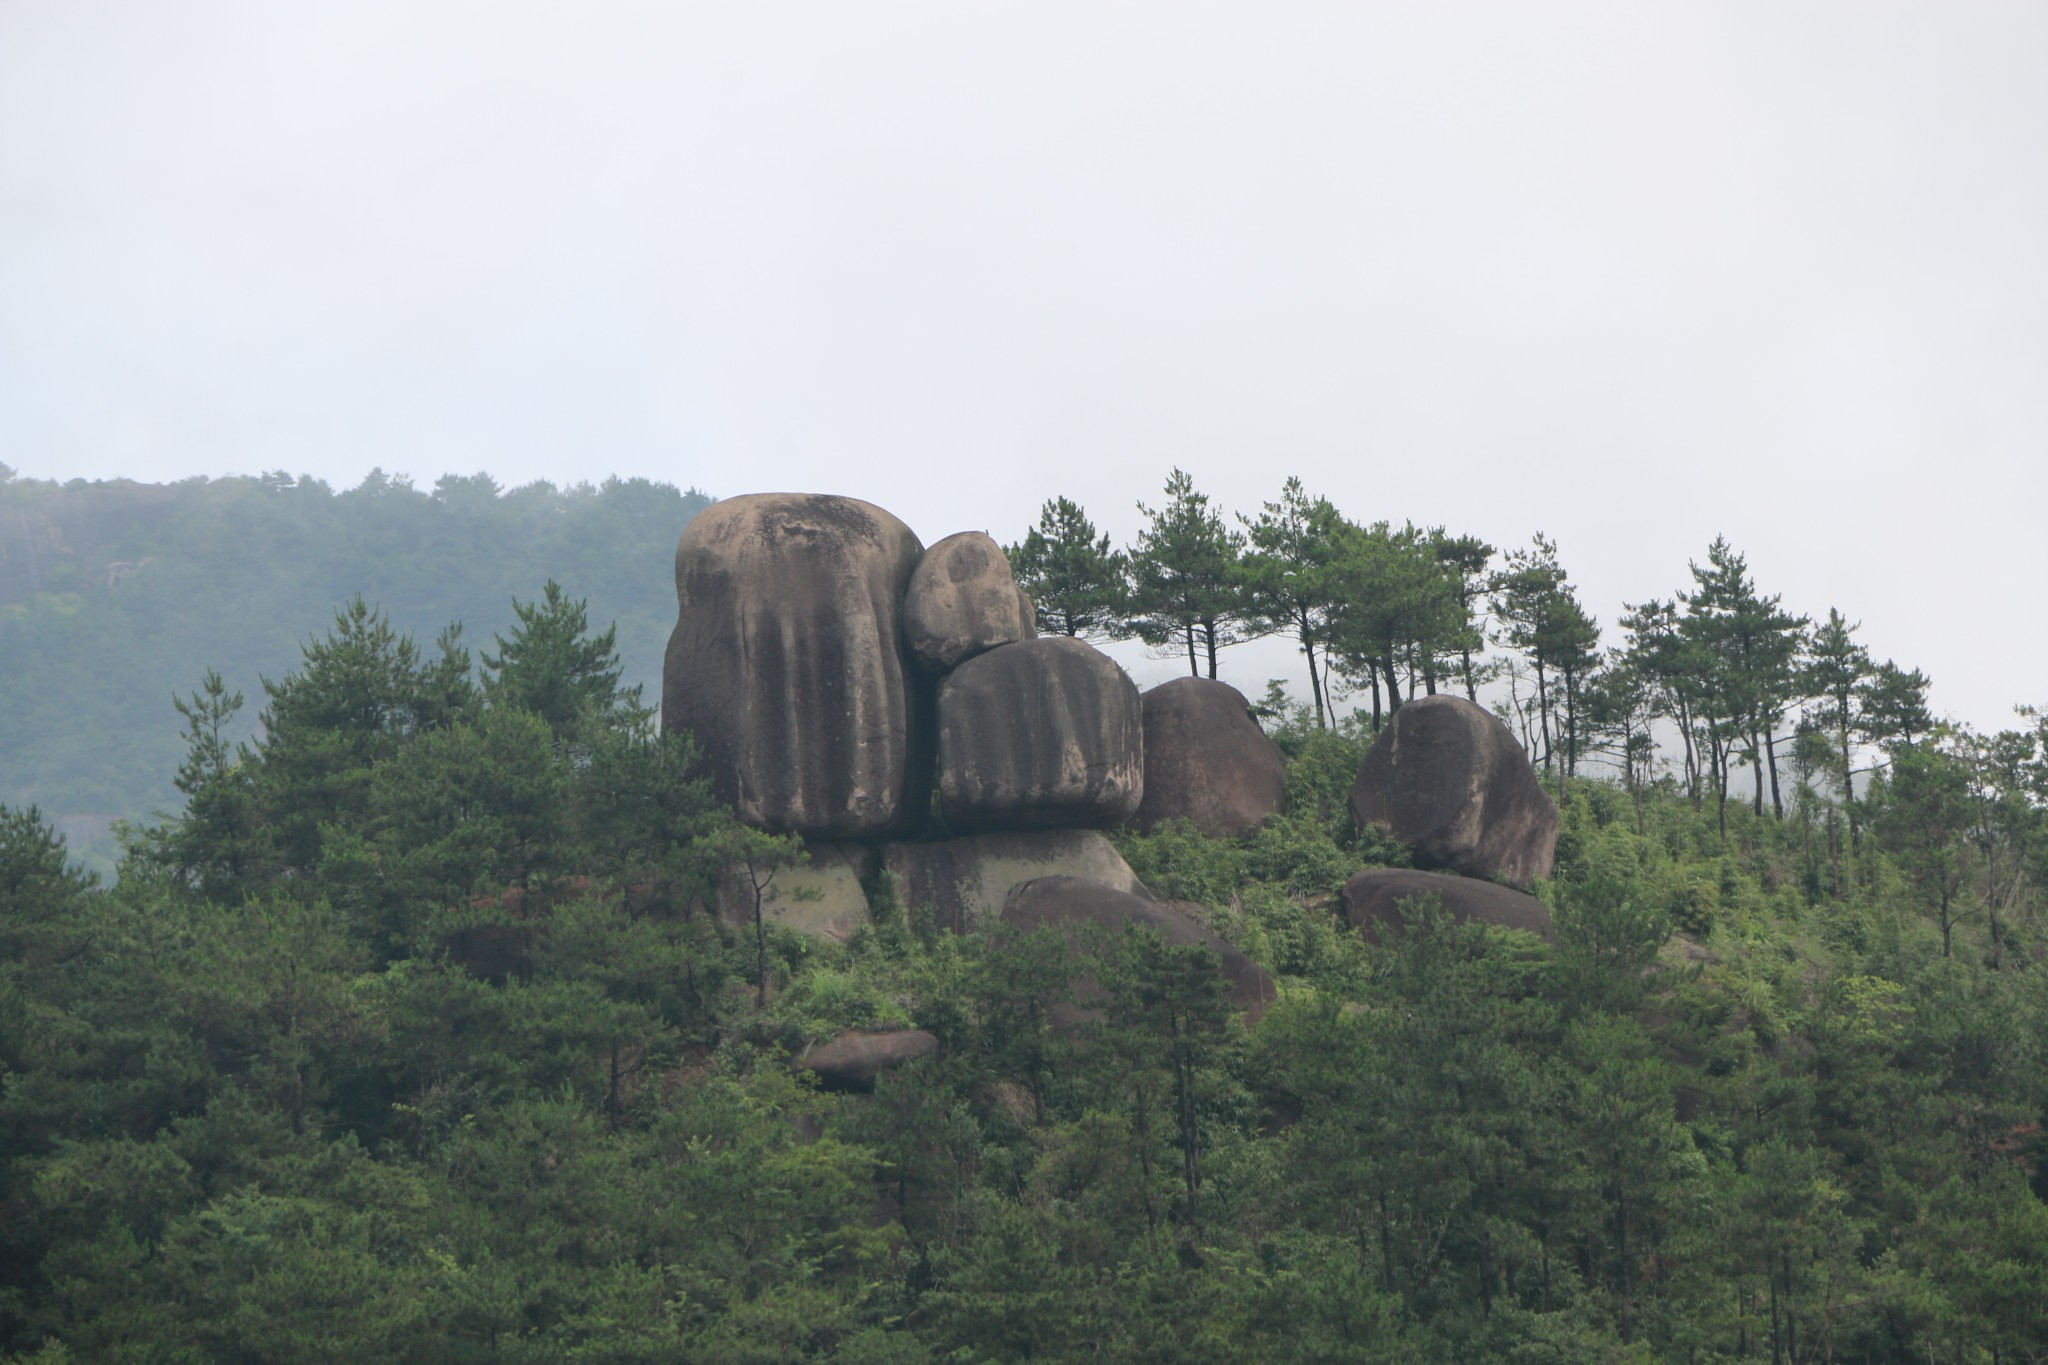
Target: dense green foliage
409	1039
113	596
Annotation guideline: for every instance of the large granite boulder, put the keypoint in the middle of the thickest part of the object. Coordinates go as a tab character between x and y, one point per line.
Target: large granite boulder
964	882
1373	901
787	664
1447	779
856	1058
1044	733
1207	761
1072	903
963	601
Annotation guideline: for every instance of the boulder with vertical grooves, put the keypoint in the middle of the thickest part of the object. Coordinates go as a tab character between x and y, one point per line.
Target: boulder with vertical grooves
1040	734
1447	779
787	664
963	601
1207	761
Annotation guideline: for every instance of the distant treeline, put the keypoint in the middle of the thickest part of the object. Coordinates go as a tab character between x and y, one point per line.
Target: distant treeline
115	596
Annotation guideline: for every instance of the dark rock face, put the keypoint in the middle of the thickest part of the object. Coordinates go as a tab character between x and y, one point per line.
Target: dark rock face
1068	903
854	1059
963	601
1372	900
787	665
1447	779
1207	761
1040	734
965	881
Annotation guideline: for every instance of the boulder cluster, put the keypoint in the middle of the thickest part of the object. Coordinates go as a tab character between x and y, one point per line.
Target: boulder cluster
894	706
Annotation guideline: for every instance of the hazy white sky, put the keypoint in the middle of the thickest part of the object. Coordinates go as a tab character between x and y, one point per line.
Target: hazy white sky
1630	275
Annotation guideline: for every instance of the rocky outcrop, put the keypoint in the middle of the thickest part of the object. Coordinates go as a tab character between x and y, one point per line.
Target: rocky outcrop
1207	761
825	896
1373	901
964	882
1044	733
1071	903
855	1059
1448	780
963	601
787	664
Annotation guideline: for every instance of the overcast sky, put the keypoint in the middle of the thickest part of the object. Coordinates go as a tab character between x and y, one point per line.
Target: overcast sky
1631	275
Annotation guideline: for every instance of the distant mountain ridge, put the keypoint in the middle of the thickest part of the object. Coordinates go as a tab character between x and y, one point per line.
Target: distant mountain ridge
117	595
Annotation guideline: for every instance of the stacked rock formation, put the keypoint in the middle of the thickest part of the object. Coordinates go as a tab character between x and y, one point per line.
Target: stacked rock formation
1447	779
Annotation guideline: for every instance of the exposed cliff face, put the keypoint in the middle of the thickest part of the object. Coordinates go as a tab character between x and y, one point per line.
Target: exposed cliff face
76	536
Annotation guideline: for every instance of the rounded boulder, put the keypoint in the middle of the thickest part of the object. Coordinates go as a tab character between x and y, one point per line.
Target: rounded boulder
1374	901
787	664
1207	761
1071	904
1447	779
1044	733
962	601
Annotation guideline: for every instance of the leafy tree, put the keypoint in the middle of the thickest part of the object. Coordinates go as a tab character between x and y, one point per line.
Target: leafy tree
556	668
1836	668
1894	704
1751	649
1187	584
1540	615
1400	610
1292	581
1072	576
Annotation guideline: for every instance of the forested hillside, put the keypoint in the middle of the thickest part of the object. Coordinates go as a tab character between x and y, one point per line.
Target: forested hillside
116	596
409	1035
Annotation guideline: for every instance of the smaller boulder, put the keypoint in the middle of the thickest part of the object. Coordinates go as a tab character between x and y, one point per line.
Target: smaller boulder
1447	779
854	1059
1373	899
1068	903
1041	734
963	601
1207	761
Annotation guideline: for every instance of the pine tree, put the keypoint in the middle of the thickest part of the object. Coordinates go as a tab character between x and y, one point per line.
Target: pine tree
1187	585
1067	569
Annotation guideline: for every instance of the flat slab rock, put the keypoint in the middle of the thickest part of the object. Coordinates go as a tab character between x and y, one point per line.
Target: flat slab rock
964	882
1068	903
1447	779
856	1058
825	897
1372	901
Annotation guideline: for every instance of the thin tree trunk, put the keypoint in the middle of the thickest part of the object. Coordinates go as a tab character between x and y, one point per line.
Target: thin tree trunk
1771	751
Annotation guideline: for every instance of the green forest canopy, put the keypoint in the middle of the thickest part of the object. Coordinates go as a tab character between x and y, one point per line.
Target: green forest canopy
406	1039
117	596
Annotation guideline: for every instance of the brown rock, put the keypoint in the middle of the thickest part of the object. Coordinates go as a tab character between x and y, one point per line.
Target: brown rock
1372	900
1207	761
1069	903
787	664
963	601
1044	733
855	1058
824	897
1447	779
965	881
